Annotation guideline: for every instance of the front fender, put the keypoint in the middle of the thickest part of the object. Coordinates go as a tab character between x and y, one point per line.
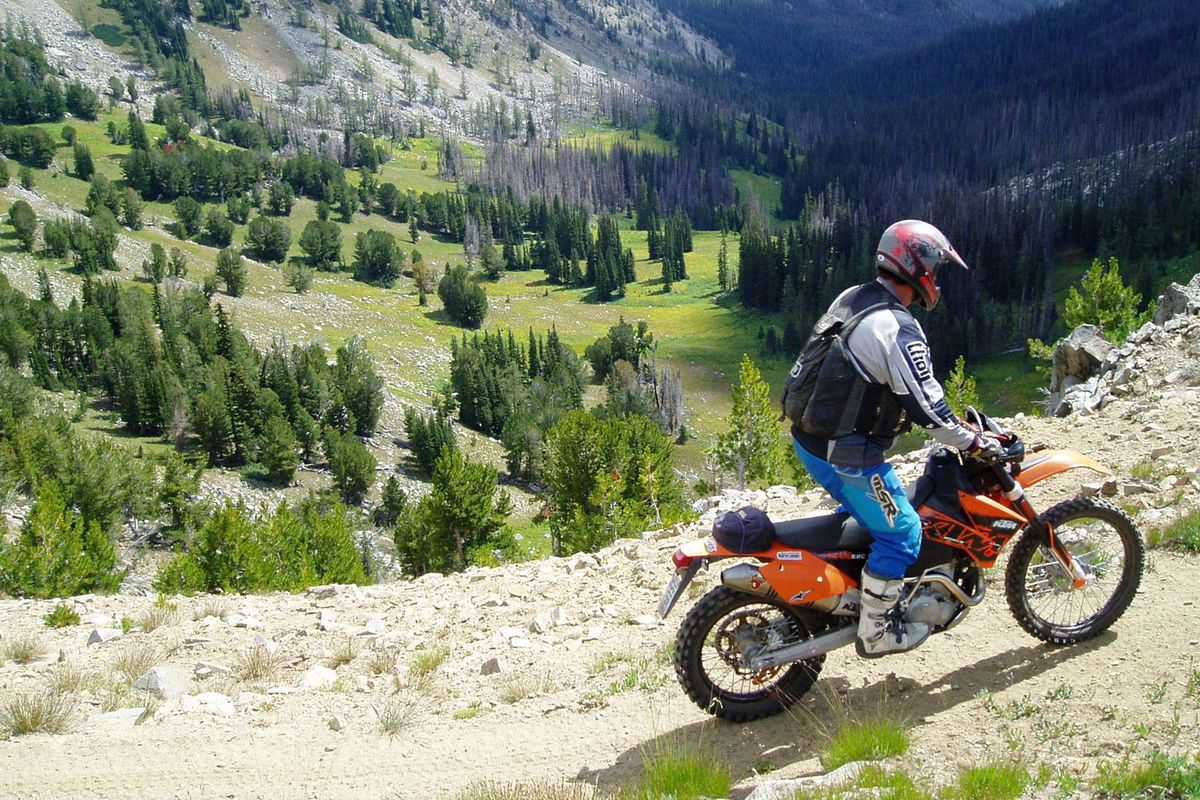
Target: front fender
1050	464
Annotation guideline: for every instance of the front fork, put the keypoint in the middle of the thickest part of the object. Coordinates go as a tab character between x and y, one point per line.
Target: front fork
1016	495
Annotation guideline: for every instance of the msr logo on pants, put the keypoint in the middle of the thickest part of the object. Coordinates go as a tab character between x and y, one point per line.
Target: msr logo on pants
881	495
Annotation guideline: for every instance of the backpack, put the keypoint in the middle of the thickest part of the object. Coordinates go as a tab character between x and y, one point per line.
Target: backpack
830	332
747	530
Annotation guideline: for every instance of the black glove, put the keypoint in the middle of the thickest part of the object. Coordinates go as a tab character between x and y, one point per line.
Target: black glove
988	448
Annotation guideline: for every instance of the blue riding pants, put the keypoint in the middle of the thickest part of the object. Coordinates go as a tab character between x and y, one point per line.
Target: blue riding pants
876	500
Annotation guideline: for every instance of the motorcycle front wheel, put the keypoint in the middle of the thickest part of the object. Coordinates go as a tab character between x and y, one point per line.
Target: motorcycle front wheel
1105	542
717	636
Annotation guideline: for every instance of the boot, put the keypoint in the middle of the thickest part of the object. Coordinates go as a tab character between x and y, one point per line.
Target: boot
881	630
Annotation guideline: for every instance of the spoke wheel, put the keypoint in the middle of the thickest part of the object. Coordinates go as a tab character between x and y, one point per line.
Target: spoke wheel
718	637
1105	542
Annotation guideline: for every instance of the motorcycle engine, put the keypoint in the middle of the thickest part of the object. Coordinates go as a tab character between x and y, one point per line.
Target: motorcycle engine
933	605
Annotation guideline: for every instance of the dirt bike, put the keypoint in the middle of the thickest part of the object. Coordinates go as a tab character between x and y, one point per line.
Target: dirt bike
753	645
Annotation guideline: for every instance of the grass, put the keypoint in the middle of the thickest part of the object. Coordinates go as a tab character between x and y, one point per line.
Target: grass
157	616
211	607
680	772
474	710
344	653
37	711
1162	776
394	717
382	661
70	678
256	664
61	616
426	662
22	649
1182	534
869	739
526	791
999	781
134	661
519	687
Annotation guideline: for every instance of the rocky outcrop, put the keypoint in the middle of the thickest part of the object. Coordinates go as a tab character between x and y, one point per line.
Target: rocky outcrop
1089	371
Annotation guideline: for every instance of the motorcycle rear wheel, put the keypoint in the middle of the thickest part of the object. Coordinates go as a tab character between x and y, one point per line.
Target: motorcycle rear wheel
719	630
1106	543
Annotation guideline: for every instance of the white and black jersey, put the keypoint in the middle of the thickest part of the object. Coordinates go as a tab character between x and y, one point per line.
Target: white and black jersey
888	347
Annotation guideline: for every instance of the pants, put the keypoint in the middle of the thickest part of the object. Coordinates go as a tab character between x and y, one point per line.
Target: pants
876	500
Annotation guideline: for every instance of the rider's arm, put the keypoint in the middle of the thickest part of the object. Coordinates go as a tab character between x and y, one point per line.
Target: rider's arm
910	376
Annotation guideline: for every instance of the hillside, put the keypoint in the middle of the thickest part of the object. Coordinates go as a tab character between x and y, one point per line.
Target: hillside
580	687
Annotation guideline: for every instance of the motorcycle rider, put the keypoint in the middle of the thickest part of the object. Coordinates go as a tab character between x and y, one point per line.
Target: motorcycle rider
887	385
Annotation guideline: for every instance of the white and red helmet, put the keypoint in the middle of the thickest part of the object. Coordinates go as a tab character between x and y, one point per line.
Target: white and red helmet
913	251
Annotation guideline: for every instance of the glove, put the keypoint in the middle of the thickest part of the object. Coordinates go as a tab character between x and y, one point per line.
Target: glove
988	448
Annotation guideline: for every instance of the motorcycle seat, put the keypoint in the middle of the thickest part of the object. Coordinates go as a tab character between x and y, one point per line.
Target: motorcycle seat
824	533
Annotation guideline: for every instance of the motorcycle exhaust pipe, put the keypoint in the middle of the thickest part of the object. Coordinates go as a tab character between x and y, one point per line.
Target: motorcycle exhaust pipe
811	648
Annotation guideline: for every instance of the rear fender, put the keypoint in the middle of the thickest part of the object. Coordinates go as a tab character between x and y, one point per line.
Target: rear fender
1050	464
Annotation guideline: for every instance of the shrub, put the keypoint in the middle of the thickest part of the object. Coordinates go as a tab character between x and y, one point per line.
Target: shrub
187	214
218	228
289	549
465	301
58	553
62	616
268	239
278	453
352	465
299	277
24	223
1183	533
231	268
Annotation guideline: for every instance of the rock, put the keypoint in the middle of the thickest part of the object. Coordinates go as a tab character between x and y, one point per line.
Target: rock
1178	300
327	620
337	723
493	601
520	642
129	716
164	682
1137	487
204	669
209	703
1110	487
322	592
493	666
102	635
362	683
647	620
1077	358
375	626
318	677
786	790
1091	489
1159	452
243	621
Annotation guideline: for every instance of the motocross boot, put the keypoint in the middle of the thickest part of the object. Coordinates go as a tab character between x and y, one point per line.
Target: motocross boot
881	628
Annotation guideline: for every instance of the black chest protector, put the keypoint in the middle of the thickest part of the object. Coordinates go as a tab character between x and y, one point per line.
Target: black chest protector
825	395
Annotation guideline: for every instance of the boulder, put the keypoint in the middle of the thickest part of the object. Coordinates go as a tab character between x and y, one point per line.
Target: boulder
318	678
493	666
1178	300
1078	357
213	703
164	682
102	635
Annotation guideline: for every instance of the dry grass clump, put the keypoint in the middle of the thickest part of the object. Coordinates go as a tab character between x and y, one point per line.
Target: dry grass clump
344	653
22	649
157	616
257	664
37	711
134	661
382	661
521	686
70	678
211	607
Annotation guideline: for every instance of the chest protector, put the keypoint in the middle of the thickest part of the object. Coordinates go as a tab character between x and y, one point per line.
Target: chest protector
824	394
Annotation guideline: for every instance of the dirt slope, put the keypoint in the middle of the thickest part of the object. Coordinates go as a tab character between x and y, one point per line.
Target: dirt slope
583	687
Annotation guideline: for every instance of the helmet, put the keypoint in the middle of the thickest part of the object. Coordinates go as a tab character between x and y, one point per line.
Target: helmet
912	251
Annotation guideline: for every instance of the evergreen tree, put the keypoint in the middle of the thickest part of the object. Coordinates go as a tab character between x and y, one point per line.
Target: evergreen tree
84	167
24	224
751	446
352	465
322	242
278	453
231	268
1104	300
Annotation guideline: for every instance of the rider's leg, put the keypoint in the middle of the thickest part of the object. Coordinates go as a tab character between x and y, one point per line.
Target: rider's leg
881	506
824	473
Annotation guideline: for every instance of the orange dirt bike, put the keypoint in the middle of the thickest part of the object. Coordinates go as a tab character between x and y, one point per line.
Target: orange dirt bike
755	644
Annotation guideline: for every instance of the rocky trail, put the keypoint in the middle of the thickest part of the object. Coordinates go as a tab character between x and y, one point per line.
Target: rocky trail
559	671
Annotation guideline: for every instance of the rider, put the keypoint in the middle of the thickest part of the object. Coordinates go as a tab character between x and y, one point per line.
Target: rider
888	384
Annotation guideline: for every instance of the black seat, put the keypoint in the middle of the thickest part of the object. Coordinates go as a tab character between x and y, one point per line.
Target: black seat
824	533
919	490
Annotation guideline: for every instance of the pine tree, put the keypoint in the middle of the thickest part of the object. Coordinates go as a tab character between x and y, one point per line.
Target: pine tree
752	446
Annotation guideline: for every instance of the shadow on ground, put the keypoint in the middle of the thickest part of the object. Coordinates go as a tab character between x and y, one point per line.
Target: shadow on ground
803	730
